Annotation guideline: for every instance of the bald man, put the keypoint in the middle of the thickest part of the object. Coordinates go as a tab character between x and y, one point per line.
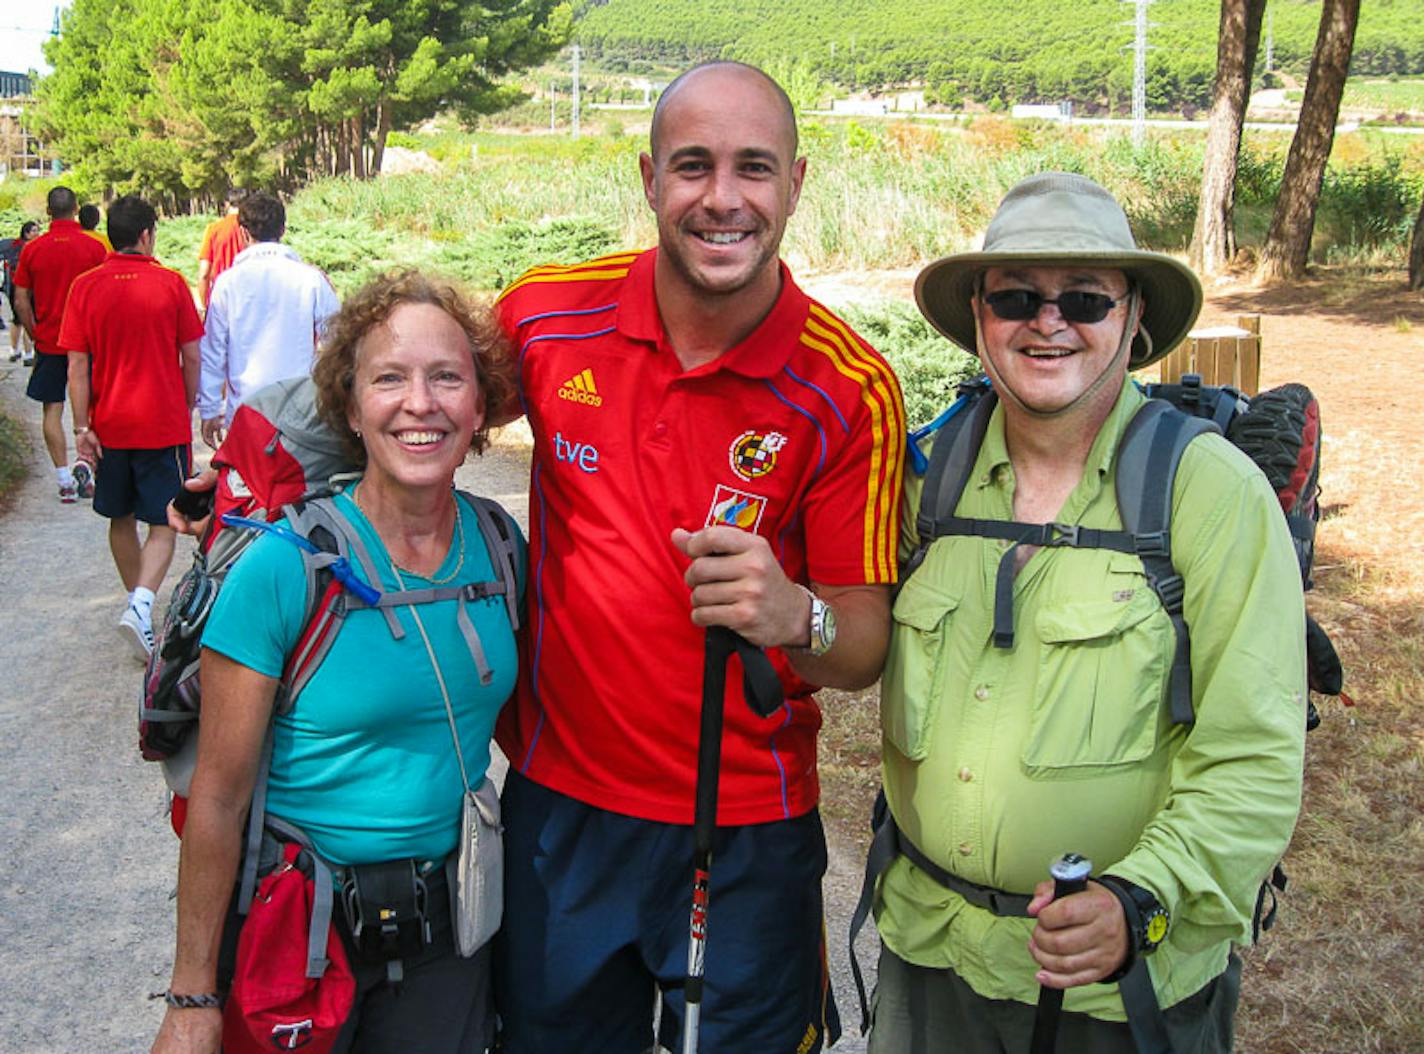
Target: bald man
711	448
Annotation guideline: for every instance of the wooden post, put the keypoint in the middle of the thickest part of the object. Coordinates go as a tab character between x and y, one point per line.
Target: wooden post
1222	355
1248	356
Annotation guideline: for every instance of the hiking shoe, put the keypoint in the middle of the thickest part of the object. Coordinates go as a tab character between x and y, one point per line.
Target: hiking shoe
83	478
68	493
137	632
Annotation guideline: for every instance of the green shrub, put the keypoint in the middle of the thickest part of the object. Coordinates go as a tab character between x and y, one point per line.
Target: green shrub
14	456
496	256
177	240
928	365
1372	203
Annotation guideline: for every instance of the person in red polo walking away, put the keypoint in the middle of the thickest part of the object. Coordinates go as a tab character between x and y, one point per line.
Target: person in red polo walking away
132	326
47	267
222	241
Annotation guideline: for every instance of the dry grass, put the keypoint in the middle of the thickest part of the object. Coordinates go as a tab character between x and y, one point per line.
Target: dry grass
1343	970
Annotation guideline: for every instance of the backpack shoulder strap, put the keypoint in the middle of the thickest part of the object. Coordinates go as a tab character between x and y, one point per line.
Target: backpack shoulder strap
961	432
1147	458
330	542
499	532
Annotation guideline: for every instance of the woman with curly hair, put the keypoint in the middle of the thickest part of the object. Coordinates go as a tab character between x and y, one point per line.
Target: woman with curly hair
364	762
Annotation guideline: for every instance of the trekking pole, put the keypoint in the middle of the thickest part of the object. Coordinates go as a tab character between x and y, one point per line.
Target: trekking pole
1070	875
763	692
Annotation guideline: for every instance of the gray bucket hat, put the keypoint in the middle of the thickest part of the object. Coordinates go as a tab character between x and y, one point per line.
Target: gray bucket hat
1057	219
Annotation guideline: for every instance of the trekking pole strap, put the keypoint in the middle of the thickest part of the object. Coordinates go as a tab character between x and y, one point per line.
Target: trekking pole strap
1144	1014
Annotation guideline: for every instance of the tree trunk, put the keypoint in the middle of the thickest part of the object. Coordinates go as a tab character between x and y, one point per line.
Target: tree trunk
1214	239
1288	243
1416	252
358	148
383	129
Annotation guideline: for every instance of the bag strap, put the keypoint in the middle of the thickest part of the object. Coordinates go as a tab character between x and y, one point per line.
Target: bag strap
440	680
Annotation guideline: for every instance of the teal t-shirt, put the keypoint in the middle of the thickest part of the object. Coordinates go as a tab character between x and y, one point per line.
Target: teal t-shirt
364	762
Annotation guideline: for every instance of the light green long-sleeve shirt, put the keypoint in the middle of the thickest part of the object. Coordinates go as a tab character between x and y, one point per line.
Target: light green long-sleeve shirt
996	761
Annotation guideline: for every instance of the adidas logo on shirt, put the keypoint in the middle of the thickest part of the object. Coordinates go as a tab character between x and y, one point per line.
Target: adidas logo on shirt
580	389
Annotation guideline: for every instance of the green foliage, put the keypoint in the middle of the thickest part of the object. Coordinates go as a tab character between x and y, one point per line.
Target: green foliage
494	257
994	54
877	195
1372	203
176	243
14	456
1386	96
928	365
178	100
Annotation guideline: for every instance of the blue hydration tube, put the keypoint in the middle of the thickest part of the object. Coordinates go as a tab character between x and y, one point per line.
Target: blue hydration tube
340	567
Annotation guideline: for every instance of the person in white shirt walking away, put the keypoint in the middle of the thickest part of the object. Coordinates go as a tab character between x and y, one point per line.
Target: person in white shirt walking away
264	317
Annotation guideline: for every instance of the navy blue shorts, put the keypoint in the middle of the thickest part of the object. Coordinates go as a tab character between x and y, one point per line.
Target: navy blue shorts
49	379
596	915
140	483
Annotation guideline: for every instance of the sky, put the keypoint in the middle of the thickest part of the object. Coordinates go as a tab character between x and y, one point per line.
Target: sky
24	26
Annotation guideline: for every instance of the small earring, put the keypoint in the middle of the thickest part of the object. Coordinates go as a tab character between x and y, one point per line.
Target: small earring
358	433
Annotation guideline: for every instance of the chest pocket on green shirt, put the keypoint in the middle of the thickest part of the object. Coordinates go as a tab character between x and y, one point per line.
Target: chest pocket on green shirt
914	670
1101	676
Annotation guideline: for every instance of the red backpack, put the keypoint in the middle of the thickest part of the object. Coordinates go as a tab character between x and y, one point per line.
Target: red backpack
276	451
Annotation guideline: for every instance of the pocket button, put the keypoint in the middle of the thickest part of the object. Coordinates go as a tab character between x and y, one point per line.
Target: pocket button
981	693
965	775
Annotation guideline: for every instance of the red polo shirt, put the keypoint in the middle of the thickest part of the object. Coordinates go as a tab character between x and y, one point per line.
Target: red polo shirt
47	266
222	241
797	434
130	315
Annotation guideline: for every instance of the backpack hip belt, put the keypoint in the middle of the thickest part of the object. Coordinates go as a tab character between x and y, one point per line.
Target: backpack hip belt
1139	998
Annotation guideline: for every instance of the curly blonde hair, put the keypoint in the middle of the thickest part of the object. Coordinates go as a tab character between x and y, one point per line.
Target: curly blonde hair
334	372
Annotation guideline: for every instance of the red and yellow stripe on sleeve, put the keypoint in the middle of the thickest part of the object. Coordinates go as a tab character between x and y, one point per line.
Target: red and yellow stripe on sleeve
604	268
880	392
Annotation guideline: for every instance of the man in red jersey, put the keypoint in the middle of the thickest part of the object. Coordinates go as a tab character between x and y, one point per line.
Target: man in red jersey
222	241
132	326
711	447
46	268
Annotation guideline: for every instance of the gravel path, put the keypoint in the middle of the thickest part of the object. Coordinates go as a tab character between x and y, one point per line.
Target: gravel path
87	860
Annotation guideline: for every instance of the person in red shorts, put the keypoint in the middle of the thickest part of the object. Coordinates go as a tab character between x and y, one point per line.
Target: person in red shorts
222	241
711	447
46	268
130	324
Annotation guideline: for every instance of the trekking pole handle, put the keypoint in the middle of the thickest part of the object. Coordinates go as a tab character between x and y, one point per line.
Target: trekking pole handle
1070	875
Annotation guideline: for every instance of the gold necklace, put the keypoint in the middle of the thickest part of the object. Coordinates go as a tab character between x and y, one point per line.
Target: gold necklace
459	533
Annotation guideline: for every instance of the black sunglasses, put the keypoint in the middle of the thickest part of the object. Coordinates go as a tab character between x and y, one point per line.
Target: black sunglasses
1020	305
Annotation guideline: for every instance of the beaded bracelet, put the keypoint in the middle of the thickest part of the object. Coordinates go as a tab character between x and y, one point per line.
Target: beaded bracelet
202	1001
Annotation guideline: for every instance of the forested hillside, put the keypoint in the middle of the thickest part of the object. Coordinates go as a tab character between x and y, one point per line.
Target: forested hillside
993	53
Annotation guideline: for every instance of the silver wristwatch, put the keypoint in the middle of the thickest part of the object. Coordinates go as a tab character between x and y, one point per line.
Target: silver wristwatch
823	625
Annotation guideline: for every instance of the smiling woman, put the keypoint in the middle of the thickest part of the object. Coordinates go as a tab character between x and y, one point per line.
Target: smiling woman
373	762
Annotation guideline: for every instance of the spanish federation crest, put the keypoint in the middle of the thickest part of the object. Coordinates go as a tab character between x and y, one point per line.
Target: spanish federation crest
753	454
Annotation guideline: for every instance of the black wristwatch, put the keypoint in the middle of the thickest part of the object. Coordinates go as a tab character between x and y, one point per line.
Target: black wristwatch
1147	919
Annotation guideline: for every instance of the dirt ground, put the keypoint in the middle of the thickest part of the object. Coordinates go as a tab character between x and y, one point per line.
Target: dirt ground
87	860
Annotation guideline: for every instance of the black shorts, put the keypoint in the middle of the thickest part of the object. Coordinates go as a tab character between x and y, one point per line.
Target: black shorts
140	483
50	378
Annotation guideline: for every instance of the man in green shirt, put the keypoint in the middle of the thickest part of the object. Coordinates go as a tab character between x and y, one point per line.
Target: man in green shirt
1000	755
